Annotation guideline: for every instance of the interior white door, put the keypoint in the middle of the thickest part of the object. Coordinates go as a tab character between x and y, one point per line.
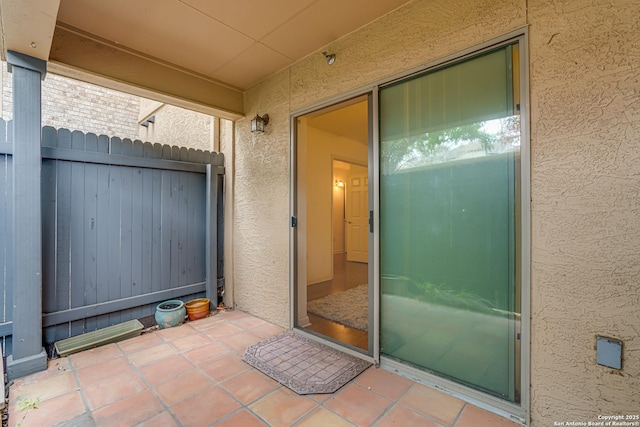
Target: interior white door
357	216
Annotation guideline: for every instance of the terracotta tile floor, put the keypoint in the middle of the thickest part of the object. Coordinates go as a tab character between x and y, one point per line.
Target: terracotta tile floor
193	375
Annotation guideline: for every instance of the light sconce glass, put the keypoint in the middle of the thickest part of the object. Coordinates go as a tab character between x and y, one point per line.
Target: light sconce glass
339	183
258	123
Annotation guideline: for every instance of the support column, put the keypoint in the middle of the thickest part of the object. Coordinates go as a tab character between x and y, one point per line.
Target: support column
227	148
28	354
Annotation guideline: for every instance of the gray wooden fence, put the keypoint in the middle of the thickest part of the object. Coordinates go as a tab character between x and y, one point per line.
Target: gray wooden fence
124	226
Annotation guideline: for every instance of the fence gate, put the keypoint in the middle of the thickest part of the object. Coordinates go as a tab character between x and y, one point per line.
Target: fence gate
125	225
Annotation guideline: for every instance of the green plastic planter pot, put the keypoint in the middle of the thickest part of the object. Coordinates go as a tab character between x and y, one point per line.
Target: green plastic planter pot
170	313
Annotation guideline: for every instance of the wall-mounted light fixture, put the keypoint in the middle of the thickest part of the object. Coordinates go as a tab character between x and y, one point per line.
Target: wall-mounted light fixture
339	183
258	123
330	57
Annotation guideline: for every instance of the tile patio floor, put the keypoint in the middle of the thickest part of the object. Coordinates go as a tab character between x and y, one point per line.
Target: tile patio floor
193	375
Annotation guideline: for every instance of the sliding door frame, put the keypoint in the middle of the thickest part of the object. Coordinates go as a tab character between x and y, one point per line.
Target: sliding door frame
518	412
373	352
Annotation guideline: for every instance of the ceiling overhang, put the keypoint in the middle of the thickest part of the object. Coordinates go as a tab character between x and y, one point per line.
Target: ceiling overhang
199	54
78	51
27	26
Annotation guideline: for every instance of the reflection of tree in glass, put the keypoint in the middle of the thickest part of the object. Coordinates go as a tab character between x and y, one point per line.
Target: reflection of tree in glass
509	135
493	136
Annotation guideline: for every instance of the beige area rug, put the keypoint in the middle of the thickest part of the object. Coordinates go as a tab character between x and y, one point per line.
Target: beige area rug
303	365
350	307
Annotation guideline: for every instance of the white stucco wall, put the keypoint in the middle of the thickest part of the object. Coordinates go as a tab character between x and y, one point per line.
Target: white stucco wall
585	177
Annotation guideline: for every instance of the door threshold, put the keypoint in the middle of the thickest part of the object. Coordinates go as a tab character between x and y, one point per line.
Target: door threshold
345	348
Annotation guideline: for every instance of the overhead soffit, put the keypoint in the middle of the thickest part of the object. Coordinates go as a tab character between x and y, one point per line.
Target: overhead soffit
198	53
237	43
27	26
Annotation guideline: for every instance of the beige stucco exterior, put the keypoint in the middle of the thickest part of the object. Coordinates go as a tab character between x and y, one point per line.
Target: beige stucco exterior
584	88
176	126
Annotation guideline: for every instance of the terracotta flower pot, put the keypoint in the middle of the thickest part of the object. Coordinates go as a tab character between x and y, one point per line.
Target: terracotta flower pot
197	308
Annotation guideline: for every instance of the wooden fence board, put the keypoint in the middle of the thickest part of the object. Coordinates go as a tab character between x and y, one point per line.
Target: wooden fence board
138	148
156	222
50	294
175	202
157	151
116	146
49	174
183	224
103	144
136	234
114	239
175	152
115	223
102	234
48	204
63	250
77	220
146	227
90	231
166	229
156	228
126	281
184	154
200	209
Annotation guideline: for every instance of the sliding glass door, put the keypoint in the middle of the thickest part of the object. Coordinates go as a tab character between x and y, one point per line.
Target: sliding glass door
450	221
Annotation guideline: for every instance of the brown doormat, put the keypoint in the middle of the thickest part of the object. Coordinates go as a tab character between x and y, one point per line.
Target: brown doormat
303	365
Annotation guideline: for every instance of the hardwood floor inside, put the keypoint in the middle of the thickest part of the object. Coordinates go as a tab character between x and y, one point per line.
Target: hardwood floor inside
346	275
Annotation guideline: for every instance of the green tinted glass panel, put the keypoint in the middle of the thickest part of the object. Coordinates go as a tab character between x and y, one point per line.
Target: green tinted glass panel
449	191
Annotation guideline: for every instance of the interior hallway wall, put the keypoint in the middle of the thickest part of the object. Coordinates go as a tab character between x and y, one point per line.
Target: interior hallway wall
339	174
322	147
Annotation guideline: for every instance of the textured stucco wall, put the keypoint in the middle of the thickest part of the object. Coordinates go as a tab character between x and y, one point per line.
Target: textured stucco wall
178	126
585	183
585	177
422	31
261	205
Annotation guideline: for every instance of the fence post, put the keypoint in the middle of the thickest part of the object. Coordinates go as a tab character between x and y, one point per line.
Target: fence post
212	235
28	356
